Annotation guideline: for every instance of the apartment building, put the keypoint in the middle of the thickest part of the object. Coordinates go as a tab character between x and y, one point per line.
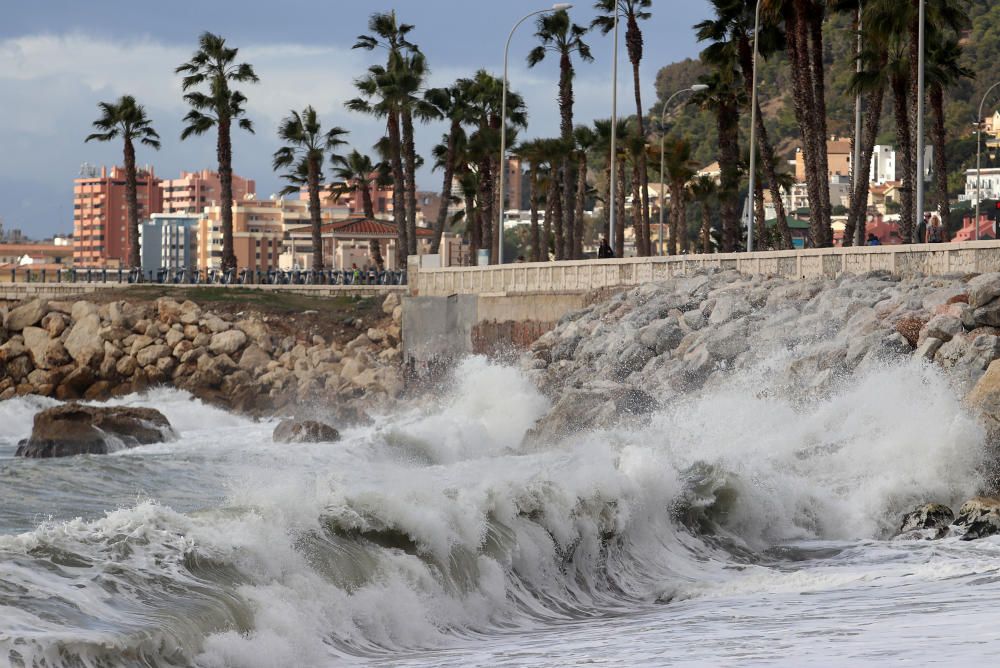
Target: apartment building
259	228
193	191
169	241
100	217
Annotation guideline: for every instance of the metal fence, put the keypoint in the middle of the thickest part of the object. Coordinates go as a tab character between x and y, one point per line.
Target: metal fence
209	277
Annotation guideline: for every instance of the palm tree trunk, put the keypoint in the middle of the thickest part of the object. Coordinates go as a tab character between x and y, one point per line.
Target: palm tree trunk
763	238
449	174
224	152
706	229
640	240
410	152
676	205
568	204
857	216
558	220
398	205
374	245
485	200
767	156
903	135
314	214
551	198
940	158
620	210
536	241
132	206
581	196
727	120
472	228
633	42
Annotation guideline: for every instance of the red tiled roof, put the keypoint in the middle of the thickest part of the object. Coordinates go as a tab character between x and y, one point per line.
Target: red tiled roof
366	227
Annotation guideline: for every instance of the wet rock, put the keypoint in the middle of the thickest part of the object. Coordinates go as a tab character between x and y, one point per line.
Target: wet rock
980	516
74	429
934	516
909	327
304	431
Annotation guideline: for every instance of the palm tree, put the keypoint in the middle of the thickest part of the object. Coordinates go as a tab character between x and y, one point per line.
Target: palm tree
944	70
723	98
731	37
452	104
485	95
305	151
632	11
679	168
385	90
127	119
635	148
585	139
356	171
533	153
563	38
214	66
803	23
704	192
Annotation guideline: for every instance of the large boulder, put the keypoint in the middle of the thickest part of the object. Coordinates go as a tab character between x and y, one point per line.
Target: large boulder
930	518
84	343
26	315
227	342
304	431
46	353
74	429
983	289
984	399
980	516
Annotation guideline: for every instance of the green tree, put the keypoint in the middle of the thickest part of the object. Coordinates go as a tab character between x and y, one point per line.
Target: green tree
723	98
214	67
563	38
632	11
452	104
126	119
385	93
357	171
731	37
304	152
705	193
679	168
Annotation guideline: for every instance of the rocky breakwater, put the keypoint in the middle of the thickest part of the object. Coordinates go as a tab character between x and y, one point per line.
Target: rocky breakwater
619	360
85	350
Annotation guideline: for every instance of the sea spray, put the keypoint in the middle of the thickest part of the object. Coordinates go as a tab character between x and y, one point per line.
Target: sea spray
444	523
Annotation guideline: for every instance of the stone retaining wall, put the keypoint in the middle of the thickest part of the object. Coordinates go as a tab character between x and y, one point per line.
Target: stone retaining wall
588	275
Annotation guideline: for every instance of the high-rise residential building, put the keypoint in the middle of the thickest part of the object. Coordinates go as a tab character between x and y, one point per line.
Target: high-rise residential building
169	241
100	218
193	191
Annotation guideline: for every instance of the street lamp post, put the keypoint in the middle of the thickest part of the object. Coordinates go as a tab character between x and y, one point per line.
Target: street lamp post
663	135
753	129
612	193
979	144
920	120
559	6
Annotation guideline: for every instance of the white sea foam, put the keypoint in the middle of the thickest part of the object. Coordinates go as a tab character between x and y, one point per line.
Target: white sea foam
431	529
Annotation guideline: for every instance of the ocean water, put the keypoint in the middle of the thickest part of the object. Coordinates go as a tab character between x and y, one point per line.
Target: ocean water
732	528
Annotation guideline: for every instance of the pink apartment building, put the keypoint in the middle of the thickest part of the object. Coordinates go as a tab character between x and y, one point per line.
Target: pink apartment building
100	236
193	191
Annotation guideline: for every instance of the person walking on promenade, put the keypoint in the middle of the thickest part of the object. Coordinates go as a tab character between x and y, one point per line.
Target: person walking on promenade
604	251
873	240
922	229
935	233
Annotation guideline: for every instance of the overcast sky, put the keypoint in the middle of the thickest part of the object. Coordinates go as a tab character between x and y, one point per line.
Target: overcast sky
58	58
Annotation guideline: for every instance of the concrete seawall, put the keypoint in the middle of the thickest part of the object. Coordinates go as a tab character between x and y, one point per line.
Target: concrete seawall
497	310
11	292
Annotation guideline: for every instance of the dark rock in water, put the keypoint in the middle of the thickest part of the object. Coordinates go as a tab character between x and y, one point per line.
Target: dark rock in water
981	517
935	516
304	431
73	429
